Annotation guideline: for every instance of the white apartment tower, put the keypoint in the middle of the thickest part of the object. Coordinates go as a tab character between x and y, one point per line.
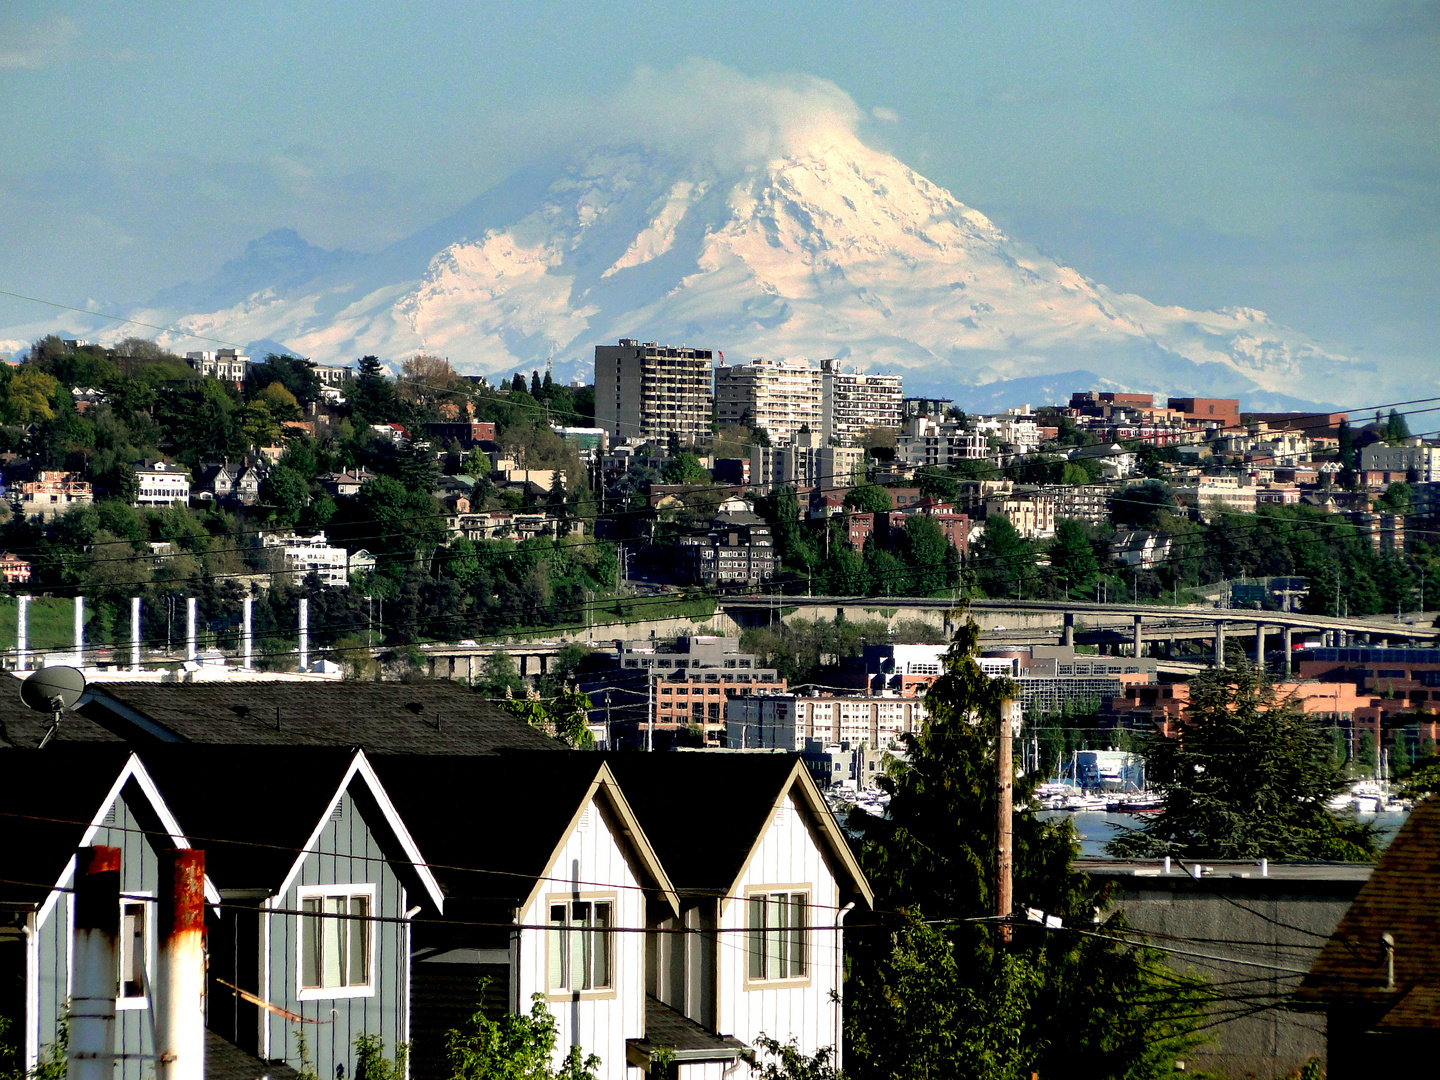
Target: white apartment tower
650	391
781	398
852	401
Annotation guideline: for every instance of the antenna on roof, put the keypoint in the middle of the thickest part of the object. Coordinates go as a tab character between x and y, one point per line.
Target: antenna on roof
52	690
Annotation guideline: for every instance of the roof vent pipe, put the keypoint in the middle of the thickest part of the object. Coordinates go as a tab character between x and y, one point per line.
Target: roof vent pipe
1387	942
190	628
304	635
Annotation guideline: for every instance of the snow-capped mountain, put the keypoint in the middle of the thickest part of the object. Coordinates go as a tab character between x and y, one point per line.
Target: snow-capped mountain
837	251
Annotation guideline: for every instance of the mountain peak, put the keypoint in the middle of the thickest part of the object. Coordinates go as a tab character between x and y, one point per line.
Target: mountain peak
824	248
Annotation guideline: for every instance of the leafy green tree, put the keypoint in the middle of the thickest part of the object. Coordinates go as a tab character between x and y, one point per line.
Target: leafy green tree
286	491
785	1061
515	1047
932	993
1248	779
868	499
294	373
922	546
565	716
1072	559
685	468
1002	559
1398	499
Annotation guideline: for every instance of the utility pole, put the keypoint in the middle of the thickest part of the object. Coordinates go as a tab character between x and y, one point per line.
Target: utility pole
1004	820
649	711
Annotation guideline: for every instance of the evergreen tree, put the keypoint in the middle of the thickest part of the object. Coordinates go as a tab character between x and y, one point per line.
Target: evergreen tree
1072	559
1247	779
517	384
372	397
931	992
1002	559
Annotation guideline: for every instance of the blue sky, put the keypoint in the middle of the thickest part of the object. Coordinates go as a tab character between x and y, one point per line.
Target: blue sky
1278	156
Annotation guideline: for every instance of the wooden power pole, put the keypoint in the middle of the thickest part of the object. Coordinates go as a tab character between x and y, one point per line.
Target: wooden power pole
1004	819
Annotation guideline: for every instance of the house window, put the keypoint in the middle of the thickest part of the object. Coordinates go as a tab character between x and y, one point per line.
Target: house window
579	945
134	949
337	941
777	936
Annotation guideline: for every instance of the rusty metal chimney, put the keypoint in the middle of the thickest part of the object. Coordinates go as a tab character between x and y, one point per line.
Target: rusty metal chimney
92	999
180	967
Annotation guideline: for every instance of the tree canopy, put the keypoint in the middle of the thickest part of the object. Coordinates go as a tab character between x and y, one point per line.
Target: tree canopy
1247	778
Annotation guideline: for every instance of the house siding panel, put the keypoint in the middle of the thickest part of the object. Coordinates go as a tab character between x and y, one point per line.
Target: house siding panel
788	855
139	873
346	853
598	1025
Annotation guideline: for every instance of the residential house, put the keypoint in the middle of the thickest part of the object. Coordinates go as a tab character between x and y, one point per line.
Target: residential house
161	483
227	365
1114	460
1141	549
54	803
50	494
345	483
1377	979
13	569
546	905
756	947
303	555
216	482
738	549
318	895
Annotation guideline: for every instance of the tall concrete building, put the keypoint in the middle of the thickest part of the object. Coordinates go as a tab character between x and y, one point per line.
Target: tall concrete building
851	402
781	398
649	391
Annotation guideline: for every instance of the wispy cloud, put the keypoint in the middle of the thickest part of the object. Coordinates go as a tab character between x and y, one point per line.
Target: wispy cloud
30	46
700	108
885	113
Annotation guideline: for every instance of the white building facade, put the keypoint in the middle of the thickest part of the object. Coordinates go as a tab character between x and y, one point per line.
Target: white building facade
781	398
853	402
160	483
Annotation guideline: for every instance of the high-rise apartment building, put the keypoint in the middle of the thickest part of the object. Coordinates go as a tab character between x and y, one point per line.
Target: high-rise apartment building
851	402
650	391
781	398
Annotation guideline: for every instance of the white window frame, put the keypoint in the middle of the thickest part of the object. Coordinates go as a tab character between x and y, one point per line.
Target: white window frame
776	944
146	902
366	926
563	945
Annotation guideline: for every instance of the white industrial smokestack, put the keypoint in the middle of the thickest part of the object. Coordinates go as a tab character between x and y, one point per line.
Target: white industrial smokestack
135	633
246	641
80	631
190	628
304	635
22	634
93	988
180	967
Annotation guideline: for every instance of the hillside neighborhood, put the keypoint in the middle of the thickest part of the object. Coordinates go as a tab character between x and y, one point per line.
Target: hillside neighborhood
730	618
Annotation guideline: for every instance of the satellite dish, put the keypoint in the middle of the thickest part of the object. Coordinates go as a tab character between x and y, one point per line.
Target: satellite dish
52	690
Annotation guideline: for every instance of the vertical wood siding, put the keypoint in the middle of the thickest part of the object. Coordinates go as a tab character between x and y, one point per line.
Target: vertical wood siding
347	853
788	855
139	875
598	1026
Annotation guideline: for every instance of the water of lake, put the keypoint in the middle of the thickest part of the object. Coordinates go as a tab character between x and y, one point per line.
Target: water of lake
1097	827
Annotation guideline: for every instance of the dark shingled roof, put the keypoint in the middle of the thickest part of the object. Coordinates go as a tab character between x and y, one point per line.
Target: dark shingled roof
383	717
249	808
1400	900
732	794
21	727
486	826
226	1061
47	800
